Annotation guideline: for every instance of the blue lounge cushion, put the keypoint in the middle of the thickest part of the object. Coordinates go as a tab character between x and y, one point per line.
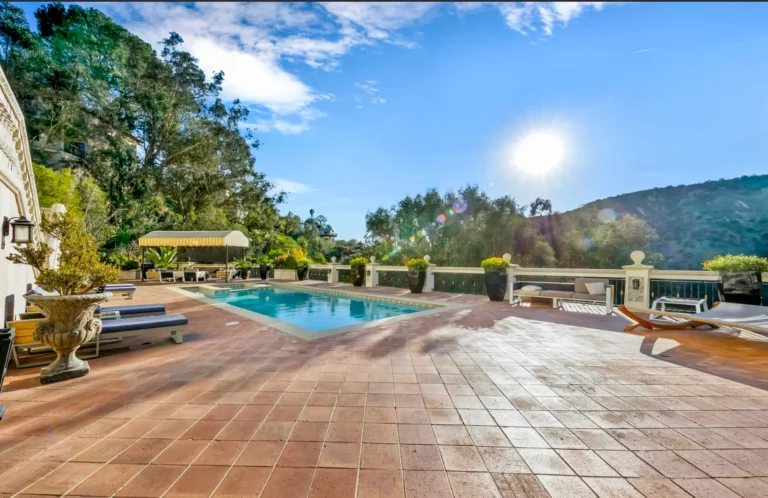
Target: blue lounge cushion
135	309
142	323
109	287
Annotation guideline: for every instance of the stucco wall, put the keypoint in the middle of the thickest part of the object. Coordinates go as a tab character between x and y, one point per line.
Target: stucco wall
18	197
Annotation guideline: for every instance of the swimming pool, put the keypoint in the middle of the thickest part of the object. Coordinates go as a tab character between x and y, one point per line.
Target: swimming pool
312	311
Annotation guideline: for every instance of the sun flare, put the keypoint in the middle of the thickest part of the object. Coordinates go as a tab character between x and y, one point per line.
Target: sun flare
539	152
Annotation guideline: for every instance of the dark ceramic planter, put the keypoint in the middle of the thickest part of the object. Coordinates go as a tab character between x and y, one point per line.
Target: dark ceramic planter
6	343
416	279
741	287
496	284
302	272
245	274
358	275
263	271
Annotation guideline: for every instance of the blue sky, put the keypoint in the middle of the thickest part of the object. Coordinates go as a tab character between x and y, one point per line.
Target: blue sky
358	105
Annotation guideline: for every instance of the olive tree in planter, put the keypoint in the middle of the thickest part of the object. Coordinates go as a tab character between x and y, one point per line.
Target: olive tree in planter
495	278
69	321
417	274
358	271
740	277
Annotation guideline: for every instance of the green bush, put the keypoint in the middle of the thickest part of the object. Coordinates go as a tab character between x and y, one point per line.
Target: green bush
260	260
494	264
303	262
417	264
243	265
736	263
357	262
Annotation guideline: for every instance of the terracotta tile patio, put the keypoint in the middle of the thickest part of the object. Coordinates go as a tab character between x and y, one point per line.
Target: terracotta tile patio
487	400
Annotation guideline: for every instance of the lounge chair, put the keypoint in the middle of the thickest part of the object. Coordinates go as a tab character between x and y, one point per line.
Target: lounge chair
130	311
161	275
733	315
126	290
112	332
226	274
194	276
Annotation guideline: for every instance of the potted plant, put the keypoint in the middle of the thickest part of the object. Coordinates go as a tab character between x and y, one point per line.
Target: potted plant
358	271
302	268
495	278
263	263
417	274
69	321
6	343
740	277
163	259
244	266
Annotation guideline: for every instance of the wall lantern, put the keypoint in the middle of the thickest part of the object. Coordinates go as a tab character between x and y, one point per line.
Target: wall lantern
19	228
636	283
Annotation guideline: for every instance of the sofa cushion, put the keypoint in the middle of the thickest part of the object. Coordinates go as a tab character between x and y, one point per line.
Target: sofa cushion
556	294
520	292
579	283
583	296
135	309
595	287
142	323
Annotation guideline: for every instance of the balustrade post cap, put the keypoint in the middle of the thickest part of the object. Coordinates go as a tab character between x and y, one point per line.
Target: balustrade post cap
333	259
637	257
373	259
427	258
507	257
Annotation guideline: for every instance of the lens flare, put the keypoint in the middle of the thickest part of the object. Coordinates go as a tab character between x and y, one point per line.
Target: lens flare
607	215
412	238
460	205
450	212
539	152
441	218
420	233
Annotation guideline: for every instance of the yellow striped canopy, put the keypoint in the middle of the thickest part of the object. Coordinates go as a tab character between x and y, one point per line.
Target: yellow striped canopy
227	238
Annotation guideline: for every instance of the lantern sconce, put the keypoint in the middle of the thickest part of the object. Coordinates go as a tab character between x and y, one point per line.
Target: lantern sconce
19	228
636	283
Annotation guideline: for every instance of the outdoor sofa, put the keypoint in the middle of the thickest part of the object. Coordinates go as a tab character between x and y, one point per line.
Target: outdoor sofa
565	291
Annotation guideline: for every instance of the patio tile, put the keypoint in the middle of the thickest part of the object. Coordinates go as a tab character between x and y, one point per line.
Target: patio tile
143	451
542	461
416	434
462	458
334	483
587	463
713	464
473	485
340	455
181	452
309	431
260	454
426	484
380	433
420	457
522	437
670	465
152	481
705	488
373	483
243	482
412	416
289	483
381	456
452	435
566	487
198	482
63	479
107	481
274	431
747	487
300	454
221	453
443	416
348	414
610	487
652	487
380	415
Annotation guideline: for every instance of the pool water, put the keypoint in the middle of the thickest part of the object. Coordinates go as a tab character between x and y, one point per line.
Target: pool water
313	311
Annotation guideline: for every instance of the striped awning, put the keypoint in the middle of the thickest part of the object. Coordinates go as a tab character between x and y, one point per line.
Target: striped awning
227	238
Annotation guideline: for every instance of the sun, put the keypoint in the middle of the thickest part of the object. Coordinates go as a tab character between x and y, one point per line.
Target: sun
538	152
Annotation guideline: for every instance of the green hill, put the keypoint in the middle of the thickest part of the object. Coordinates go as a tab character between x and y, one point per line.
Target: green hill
697	222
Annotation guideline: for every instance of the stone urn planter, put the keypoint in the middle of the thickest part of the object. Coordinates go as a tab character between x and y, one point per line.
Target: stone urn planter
741	287
416	279
358	275
264	271
302	272
68	324
496	284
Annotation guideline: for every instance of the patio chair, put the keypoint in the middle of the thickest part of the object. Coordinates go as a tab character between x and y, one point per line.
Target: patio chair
113	331
226	274
733	315
160	275
194	276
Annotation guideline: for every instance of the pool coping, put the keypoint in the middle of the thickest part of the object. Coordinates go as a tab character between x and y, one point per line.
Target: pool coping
431	308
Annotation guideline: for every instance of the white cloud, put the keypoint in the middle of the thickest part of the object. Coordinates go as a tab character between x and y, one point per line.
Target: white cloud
370	87
254	42
642	51
526	17
292	187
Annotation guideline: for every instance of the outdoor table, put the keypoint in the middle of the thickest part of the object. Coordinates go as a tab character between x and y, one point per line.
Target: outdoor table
699	305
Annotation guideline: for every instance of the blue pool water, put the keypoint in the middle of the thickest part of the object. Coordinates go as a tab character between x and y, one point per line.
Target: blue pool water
310	310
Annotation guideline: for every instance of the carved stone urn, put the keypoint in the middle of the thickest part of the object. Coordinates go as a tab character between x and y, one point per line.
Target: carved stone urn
68	324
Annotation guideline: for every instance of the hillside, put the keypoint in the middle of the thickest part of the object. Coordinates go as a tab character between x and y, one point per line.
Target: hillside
696	222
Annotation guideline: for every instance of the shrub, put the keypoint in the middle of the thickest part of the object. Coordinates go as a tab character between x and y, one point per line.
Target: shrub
304	262
320	259
79	271
122	261
358	262
130	264
736	263
289	260
493	264
243	264
164	258
417	264
260	260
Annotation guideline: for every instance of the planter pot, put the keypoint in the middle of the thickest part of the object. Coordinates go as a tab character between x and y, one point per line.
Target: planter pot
416	279
302	272
244	274
496	284
358	275
130	275
283	274
263	271
6	343
68	324
741	287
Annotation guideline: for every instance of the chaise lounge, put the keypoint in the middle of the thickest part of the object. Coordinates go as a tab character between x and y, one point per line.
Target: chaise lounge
126	290
737	316
597	290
